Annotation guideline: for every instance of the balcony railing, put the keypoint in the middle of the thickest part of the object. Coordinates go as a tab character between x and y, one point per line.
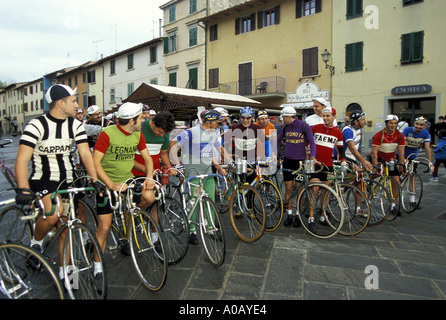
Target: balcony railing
257	87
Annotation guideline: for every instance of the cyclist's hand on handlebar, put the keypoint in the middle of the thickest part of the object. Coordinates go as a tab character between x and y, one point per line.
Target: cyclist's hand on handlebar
99	187
149	184
119	187
24	199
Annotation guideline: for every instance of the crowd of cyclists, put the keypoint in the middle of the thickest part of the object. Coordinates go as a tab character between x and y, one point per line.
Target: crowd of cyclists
136	142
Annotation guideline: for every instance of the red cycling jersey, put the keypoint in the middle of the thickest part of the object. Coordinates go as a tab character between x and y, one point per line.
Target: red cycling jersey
388	143
326	138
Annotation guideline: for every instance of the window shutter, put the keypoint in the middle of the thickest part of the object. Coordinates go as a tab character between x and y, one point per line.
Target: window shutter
354	56
405	48
299	7
318	6
166	45
260	19
418	46
277	15
253	21
237	26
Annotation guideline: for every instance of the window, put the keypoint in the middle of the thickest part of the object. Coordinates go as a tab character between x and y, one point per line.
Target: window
130	61
213	78
409	2
213	32
173	79
268	17
354	9
75	80
112	95
412	47
245	24
310	61
193	36
192	6
112	67
92	76
170	43
354	56
129	89
153	57
307	7
192	83
172	14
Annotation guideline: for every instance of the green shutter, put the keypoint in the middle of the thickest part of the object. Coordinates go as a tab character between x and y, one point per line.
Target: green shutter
412	47
166	45
354	60
418	46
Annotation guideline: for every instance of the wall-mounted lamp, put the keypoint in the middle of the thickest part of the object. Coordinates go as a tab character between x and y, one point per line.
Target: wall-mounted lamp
326	58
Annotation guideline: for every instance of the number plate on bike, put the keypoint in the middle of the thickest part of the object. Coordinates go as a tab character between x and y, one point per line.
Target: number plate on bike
299	177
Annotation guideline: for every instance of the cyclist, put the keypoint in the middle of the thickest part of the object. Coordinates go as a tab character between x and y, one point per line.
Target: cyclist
114	155
198	148
352	135
270	133
319	104
416	136
327	136
47	141
156	133
248	139
297	135
145	112
385	145
95	118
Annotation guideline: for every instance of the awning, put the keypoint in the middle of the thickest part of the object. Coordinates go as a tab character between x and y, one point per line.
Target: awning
183	102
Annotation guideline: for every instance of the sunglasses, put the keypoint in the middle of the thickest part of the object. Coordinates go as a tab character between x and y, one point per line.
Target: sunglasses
246	118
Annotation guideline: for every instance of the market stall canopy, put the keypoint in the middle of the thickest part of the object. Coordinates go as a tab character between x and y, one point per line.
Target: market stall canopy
183	102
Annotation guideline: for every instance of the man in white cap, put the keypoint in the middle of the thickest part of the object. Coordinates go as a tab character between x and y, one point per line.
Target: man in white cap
318	105
47	141
96	118
113	157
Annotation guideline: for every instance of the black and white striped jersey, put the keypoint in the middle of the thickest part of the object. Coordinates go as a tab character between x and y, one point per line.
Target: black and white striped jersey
52	140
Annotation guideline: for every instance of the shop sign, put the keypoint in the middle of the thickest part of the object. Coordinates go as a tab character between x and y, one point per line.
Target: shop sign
421	88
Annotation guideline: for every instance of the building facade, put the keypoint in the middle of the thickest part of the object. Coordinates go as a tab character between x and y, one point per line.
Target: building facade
33	95
271	51
387	55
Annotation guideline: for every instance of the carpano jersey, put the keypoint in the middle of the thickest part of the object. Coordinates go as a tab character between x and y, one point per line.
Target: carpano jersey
52	140
326	138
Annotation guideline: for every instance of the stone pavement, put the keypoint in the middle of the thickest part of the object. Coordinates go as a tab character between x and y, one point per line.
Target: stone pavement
407	258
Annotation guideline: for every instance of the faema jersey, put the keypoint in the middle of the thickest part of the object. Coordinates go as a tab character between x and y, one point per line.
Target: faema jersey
326	138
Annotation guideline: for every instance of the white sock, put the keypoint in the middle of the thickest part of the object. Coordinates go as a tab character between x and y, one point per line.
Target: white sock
289	211
393	205
34	241
97	268
412	199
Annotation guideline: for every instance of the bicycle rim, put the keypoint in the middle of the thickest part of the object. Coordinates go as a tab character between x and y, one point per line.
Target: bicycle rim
272	201
212	232
80	250
395	195
356	210
21	281
379	200
247	213
411	192
147	252
327	209
13	228
174	227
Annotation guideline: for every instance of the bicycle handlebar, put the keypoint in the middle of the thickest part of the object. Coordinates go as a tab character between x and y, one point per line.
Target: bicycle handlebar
202	176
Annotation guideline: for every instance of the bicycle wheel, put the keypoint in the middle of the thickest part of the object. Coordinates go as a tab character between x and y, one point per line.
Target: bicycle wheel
328	213
380	201
147	250
356	210
395	195
223	196
411	192
174	227
212	232
86	214
82	256
272	201
13	228
247	213
9	175
21	281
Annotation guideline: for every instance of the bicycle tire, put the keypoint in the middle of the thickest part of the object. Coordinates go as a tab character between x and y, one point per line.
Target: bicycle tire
379	200
223	196
90	219
246	221
407	205
148	256
79	252
354	221
20	280
13	228
330	211
212	232
272	201
396	198
174	227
